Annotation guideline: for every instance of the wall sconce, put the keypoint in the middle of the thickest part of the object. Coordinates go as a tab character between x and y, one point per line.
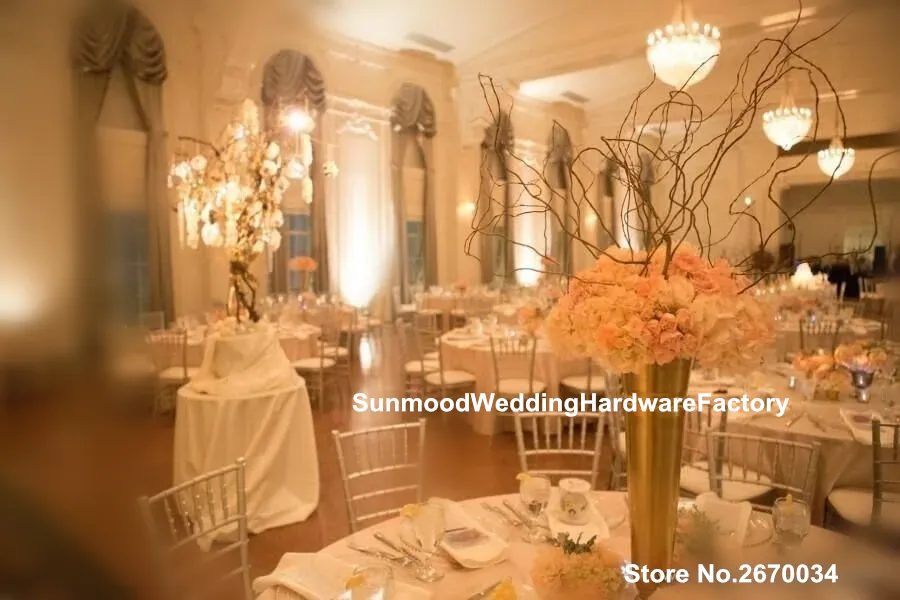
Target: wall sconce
590	220
748	201
465	210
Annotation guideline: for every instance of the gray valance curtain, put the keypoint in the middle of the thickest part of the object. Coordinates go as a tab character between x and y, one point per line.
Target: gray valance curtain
560	156
413	125
496	147
607	198
109	36
290	78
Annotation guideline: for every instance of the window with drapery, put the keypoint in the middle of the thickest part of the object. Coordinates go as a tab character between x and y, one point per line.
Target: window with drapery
296	236
130	244
415	266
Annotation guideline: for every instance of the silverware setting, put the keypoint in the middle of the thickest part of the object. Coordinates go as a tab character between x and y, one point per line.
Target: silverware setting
398	548
486	592
401	561
503	515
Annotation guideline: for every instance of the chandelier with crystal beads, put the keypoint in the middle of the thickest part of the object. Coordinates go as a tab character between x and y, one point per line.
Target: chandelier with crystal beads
684	52
788	124
836	160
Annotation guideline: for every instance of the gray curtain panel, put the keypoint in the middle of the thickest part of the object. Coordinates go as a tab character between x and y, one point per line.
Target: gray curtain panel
108	36
560	157
495	148
290	78
413	122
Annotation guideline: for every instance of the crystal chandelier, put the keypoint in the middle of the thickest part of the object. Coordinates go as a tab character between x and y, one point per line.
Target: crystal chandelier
836	160
787	124
684	52
300	123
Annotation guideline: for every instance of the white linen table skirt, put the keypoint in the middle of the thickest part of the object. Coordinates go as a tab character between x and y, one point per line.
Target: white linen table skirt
272	431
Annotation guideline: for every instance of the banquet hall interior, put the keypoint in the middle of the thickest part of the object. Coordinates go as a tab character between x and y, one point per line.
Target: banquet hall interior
245	243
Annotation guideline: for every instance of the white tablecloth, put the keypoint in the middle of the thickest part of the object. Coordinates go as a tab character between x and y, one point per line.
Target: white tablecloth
821	546
273	431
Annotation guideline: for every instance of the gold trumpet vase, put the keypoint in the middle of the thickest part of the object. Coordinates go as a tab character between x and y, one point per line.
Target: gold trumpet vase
653	448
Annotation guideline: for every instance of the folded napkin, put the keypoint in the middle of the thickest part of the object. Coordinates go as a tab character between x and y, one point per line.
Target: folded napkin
860	424
596	525
322	577
489	551
732	517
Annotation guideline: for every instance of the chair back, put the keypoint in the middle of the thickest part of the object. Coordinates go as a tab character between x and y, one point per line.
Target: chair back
819	334
513	356
381	470
152	321
615	423
697	427
179	518
885	469
553	442
428	329
788	467
169	349
408	340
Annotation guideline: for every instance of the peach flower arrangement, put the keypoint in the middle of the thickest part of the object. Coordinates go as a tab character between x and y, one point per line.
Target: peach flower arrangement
530	318
823	371
628	311
861	356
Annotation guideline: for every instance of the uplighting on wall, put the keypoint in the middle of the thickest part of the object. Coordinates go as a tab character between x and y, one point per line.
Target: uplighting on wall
748	201
590	220
465	210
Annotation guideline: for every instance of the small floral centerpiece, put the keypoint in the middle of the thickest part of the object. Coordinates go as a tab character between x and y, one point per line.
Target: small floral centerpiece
631	309
823	373
863	360
530	318
578	571
695	536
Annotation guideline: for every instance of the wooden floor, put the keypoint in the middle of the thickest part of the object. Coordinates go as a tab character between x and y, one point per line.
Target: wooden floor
84	463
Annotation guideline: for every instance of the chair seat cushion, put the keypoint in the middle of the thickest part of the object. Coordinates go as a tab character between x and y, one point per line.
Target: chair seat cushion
335	352
458	312
514	387
433	356
406	308
695	479
620	443
855	505
418	367
580	383
176	374
313	364
450	378
133	367
428	311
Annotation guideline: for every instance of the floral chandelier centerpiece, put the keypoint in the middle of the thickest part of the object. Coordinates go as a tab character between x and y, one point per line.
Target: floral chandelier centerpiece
684	52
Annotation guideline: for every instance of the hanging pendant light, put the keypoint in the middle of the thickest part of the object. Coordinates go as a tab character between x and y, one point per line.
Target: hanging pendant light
684	52
836	160
788	124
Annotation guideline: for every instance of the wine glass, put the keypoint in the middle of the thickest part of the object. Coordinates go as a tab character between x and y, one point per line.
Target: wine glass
534	493
429	523
791	520
370	583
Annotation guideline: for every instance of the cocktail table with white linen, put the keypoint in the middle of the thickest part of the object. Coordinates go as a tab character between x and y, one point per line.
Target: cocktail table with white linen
247	401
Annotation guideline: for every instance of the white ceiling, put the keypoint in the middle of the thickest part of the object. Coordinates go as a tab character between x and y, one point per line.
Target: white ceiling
471	27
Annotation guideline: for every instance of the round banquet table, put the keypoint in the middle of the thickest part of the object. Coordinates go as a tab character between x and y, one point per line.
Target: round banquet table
845	459
273	431
472	353
787	333
820	547
298	342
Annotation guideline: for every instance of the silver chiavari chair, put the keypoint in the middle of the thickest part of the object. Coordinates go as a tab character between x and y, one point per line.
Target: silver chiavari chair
319	373
696	462
415	366
819	335
191	513
170	356
750	467
511	357
615	423
381	470
428	330
879	507
447	380
554	441
592	381
152	321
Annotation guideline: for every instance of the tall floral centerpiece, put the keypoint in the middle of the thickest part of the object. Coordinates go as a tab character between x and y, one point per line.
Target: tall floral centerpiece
304	265
863	360
651	317
230	197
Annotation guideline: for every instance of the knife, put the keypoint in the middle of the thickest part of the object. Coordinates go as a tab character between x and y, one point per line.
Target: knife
399	560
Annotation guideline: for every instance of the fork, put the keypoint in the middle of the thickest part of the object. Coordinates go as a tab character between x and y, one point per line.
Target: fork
506	518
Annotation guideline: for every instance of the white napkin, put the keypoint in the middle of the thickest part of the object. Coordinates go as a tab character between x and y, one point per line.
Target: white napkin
862	431
596	525
490	551
732	517
322	577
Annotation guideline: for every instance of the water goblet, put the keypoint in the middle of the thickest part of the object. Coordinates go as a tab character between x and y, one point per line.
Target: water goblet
429	523
791	520
534	493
